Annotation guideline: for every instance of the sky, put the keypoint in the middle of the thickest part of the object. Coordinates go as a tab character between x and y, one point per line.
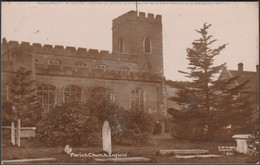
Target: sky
89	25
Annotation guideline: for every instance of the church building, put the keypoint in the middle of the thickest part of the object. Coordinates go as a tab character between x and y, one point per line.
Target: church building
132	73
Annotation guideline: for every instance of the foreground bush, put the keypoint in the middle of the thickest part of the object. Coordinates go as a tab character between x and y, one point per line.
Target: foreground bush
65	124
133	127
81	123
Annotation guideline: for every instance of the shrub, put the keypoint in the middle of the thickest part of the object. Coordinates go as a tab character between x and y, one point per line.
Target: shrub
133	127
75	124
81	123
158	128
65	124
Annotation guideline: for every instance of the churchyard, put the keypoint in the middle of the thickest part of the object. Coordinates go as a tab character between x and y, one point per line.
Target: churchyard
93	106
32	149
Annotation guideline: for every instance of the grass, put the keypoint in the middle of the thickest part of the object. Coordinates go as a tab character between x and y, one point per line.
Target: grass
34	149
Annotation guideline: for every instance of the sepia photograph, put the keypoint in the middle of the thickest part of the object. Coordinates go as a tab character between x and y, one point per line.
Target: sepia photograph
129	82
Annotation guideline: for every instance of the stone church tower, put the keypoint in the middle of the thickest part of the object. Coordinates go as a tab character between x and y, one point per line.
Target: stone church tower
133	33
132	73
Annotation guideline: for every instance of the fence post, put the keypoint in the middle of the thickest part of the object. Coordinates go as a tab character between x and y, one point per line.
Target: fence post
12	134
19	133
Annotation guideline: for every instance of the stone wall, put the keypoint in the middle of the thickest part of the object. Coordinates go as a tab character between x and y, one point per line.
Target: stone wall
121	88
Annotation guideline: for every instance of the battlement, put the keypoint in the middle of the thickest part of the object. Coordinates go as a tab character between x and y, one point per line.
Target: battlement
133	15
37	48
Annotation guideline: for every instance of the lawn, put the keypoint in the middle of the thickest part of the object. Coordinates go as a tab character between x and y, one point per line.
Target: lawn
34	149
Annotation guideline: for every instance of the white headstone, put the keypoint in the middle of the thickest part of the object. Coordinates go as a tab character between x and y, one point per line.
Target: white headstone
18	133
106	137
67	149
12	134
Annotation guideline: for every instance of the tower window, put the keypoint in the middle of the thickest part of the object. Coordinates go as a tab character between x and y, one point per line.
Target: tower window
147	45
121	45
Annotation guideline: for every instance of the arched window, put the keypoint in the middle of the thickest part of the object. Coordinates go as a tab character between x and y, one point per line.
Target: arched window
46	96
138	99
148	67
72	93
147	45
121	45
97	92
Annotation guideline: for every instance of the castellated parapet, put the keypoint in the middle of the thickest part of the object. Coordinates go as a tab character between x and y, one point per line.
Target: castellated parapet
37	48
133	15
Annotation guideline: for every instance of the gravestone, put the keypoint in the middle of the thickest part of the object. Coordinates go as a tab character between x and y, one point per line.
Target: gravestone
12	134
18	133
106	137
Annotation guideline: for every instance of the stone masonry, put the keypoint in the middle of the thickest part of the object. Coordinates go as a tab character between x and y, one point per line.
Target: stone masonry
132	72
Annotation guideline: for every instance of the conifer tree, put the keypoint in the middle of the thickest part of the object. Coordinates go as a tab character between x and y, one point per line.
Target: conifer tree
208	102
23	97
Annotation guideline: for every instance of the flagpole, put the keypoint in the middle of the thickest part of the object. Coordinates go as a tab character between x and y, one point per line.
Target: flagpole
136	7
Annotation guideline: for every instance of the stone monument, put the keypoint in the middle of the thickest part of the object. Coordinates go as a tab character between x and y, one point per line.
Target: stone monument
106	137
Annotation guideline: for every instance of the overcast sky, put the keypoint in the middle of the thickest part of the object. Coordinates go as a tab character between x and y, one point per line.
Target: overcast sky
89	25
